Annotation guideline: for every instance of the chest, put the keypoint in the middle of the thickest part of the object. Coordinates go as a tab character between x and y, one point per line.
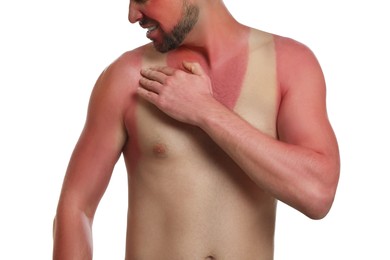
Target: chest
245	83
251	94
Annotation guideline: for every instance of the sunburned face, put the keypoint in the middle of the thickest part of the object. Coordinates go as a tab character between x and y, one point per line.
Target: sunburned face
182	28
166	41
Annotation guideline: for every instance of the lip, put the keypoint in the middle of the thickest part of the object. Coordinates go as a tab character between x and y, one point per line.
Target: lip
151	27
151	30
147	23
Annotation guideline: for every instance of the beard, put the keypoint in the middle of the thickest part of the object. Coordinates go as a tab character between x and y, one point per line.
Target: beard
179	32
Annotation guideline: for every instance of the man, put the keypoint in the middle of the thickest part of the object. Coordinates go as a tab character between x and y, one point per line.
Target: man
216	122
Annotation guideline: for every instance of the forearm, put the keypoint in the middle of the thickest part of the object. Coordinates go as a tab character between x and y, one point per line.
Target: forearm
293	174
72	235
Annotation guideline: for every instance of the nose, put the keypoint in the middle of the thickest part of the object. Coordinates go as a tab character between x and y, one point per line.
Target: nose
135	14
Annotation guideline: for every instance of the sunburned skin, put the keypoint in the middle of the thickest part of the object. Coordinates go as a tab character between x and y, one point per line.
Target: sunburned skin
226	79
132	146
288	67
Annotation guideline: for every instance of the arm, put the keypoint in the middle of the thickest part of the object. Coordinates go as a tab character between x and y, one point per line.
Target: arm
301	168
89	171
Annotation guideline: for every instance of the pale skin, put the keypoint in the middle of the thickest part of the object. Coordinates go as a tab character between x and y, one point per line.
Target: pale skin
213	133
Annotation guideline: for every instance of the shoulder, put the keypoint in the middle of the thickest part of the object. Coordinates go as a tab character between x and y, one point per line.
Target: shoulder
292	52
125	68
122	75
285	48
295	62
118	80
260	40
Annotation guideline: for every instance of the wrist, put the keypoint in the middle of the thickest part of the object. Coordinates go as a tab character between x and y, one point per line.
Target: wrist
213	116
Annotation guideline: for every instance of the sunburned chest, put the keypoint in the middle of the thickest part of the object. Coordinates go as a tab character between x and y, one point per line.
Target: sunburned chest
245	83
249	90
226	77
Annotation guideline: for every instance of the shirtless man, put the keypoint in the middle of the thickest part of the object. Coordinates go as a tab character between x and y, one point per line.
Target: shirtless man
216	122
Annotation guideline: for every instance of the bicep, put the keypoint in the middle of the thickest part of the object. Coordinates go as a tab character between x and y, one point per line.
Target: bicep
303	121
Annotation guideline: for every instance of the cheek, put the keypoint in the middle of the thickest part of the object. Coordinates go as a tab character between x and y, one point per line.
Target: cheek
166	19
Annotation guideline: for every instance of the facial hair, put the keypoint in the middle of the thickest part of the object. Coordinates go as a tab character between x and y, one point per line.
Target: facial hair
180	31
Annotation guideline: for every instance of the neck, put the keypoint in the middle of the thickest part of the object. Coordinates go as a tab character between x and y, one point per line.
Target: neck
216	33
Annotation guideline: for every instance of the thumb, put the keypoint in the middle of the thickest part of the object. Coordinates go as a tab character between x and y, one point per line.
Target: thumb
193	67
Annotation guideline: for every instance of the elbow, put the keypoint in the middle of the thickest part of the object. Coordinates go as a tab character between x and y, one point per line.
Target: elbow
319	206
322	195
315	202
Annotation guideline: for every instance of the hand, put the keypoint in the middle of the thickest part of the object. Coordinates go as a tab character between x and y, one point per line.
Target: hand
183	95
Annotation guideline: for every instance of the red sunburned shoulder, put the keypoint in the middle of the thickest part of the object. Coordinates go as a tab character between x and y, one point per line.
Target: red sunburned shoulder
293	59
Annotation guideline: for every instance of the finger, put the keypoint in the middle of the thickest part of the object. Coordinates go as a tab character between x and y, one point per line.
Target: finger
147	95
153	74
169	71
150	85
193	67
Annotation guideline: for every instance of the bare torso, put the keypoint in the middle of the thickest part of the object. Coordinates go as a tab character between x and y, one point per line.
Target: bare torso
187	198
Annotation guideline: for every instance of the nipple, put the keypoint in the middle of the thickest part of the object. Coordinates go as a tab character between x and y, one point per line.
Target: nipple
160	150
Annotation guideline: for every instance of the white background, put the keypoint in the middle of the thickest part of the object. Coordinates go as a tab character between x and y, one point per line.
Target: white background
51	53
